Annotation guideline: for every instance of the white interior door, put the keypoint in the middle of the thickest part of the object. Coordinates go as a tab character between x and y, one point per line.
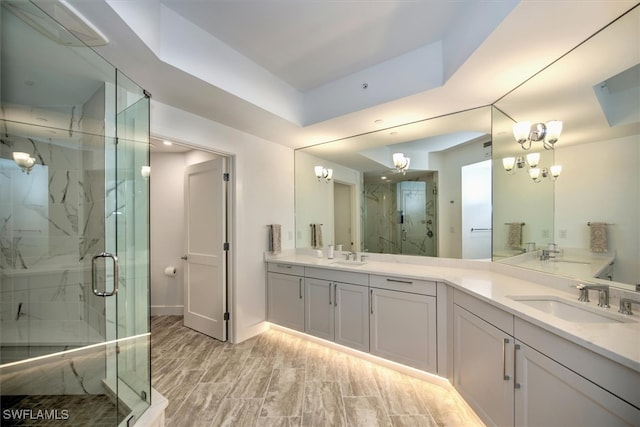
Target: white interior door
205	299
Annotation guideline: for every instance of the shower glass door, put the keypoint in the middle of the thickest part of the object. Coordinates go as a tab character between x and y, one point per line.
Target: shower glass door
74	253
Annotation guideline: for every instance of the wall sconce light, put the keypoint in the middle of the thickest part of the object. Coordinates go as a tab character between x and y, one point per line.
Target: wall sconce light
552	173
145	171
401	163
526	133
323	174
24	160
512	164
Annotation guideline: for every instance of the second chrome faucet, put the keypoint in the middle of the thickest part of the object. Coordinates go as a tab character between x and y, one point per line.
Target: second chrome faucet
603	294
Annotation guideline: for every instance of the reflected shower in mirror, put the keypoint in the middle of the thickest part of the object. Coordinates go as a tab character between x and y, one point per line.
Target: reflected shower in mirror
595	91
373	204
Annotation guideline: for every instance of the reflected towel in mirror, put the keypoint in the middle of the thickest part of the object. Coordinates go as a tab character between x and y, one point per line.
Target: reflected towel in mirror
275	239
599	241
514	237
316	236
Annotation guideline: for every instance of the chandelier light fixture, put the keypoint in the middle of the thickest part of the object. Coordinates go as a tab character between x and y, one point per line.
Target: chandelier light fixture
400	162
525	133
24	161
323	174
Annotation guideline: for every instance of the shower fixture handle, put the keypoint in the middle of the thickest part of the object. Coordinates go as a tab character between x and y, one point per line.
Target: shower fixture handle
114	291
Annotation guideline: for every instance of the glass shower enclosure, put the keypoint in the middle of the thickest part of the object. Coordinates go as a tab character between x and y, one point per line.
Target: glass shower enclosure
74	230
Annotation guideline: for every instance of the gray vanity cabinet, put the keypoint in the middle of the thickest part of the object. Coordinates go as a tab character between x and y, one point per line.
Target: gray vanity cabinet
335	310
319	308
483	365
548	394
403	321
513	373
285	295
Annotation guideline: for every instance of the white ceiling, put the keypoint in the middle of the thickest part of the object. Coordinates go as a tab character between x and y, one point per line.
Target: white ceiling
310	43
261	66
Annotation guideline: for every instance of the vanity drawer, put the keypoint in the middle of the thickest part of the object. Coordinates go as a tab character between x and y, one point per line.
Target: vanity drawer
337	275
416	286
277	267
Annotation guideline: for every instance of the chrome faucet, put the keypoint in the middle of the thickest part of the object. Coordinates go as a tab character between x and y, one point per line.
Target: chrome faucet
546	253
349	254
603	294
625	305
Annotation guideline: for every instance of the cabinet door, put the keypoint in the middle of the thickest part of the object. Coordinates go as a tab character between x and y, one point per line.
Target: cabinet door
352	316
548	394
285	296
403	328
483	367
318	320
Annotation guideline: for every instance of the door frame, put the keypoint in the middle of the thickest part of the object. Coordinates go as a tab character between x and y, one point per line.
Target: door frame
230	192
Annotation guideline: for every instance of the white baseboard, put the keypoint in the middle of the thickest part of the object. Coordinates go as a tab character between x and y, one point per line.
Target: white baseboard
167	310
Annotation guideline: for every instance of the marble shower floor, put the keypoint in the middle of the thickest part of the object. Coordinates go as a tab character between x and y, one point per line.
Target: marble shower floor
276	379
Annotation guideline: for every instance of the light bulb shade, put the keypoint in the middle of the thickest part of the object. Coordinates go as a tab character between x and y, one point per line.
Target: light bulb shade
521	131
534	173
533	159
400	161
554	129
323	174
508	163
145	171
555	170
329	174
24	160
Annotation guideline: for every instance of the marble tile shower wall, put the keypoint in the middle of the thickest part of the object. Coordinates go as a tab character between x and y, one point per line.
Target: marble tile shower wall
380	231
51	223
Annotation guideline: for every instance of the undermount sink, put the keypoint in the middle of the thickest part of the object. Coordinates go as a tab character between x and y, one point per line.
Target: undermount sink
569	310
352	263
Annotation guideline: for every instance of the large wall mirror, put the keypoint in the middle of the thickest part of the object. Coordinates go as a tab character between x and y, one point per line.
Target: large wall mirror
369	205
595	91
431	208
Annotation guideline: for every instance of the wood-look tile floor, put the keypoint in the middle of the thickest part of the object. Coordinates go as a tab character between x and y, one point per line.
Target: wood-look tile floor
276	379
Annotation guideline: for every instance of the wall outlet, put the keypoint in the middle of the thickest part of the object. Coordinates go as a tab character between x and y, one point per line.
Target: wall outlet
545	234
562	234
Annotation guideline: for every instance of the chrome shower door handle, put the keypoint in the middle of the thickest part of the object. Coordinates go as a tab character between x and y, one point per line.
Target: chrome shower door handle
114	291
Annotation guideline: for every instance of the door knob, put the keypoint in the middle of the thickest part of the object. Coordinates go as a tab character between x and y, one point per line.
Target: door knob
184	257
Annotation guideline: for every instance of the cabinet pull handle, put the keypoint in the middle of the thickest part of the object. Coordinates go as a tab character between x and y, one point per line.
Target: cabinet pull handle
516	384
289	267
330	302
505	377
300	288
408	282
371	300
335	294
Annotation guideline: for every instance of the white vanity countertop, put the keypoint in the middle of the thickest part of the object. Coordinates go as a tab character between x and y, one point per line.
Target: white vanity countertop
617	341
